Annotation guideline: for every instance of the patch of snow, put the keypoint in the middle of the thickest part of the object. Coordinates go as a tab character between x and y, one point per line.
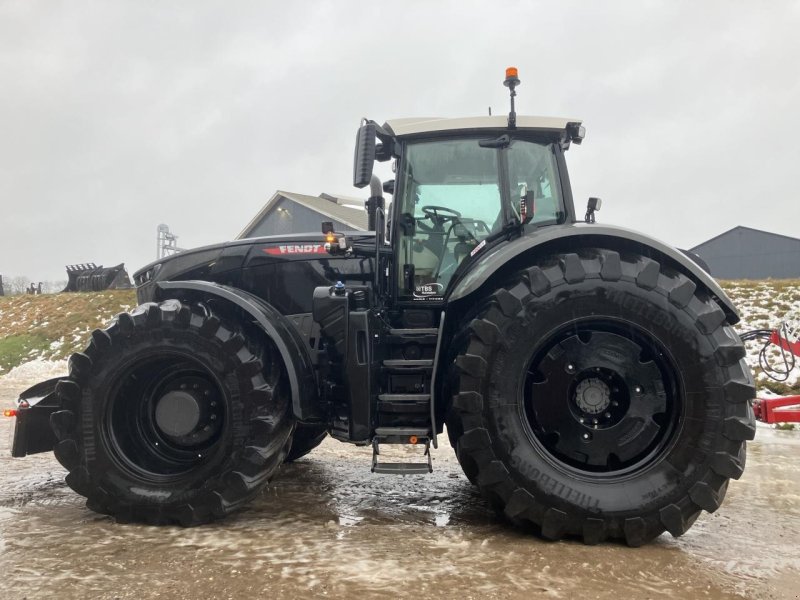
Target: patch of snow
34	371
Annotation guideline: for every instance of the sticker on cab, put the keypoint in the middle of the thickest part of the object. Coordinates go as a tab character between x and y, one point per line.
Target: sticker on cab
426	290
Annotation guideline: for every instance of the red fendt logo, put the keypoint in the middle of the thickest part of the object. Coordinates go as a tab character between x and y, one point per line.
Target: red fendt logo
295	249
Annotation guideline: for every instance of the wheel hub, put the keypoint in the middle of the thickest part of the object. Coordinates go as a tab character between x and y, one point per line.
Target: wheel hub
599	397
592	396
177	413
187	411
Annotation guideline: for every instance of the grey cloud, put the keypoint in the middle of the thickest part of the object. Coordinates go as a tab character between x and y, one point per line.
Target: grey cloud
115	117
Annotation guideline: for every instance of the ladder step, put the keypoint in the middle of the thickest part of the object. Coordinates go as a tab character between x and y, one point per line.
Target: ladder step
402	432
427	336
404	403
411	332
402	468
404	397
404	364
395	435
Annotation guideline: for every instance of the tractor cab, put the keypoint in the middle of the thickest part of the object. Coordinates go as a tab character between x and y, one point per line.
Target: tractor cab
457	194
462	186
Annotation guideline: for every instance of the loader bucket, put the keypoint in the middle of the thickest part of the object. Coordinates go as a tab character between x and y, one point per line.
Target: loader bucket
89	277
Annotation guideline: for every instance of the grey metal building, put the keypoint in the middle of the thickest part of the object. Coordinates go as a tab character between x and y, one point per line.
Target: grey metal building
288	212
747	253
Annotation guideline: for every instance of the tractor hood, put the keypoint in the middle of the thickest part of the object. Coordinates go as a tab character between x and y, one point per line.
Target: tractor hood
209	263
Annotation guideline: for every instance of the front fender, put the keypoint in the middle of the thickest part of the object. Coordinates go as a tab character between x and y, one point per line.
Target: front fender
299	367
579	235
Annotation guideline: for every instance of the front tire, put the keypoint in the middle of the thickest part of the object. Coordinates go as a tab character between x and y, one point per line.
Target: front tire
171	415
602	396
305	439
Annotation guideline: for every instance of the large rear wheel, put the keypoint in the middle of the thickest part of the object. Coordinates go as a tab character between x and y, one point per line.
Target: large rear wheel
602	396
171	415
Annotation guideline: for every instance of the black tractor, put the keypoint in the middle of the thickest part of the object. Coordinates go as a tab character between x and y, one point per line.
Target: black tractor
588	376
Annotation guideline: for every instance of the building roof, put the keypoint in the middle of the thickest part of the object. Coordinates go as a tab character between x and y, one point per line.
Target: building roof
743	228
419	125
337	208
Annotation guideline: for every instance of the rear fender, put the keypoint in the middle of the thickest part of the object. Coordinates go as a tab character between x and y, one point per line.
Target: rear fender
290	345
505	258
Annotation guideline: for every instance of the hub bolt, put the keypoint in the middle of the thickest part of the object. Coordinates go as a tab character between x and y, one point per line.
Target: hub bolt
570	368
213	417
586	436
637	389
607	415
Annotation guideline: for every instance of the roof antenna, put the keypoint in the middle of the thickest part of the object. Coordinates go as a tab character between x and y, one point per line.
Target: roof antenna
490	111
511	82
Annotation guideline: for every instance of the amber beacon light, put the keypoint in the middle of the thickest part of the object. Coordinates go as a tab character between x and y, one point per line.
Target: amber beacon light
512	75
511	82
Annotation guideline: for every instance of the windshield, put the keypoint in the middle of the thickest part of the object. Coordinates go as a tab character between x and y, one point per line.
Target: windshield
452	199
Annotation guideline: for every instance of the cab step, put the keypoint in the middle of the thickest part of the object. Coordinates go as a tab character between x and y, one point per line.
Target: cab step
401	435
403	365
425	336
414	332
404	403
402	468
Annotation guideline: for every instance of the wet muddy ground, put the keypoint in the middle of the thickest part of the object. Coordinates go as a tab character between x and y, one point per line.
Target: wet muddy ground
328	527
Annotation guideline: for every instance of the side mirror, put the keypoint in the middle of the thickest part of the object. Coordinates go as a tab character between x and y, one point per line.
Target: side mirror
364	158
592	206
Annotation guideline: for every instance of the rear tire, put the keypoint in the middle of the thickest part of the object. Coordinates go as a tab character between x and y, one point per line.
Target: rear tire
171	416
603	397
305	439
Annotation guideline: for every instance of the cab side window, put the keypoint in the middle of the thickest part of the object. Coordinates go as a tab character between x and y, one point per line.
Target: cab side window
533	166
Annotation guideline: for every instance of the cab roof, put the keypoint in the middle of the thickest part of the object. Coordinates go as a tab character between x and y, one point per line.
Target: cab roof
421	125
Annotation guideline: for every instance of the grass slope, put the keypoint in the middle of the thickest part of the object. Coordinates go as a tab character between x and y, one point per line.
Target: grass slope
53	326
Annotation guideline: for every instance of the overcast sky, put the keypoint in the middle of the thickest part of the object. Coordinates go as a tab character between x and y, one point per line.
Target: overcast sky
118	116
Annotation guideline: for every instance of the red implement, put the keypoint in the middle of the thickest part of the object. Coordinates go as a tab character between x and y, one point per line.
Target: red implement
778	340
778	410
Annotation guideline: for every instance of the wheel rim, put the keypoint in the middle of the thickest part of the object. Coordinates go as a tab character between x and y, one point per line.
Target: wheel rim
602	398
166	415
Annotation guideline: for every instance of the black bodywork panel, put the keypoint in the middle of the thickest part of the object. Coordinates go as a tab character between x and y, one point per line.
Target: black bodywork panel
32	431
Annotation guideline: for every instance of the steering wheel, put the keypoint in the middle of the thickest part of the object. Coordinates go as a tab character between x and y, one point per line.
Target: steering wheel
436	213
439	215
